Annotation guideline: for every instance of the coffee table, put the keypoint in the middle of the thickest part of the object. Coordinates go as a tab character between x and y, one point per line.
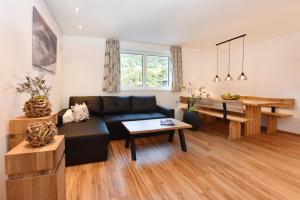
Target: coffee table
150	127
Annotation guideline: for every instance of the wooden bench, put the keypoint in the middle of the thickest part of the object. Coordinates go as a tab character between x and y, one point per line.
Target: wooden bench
273	115
230	110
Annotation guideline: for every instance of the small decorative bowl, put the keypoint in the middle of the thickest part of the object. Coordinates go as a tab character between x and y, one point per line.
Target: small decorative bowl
230	97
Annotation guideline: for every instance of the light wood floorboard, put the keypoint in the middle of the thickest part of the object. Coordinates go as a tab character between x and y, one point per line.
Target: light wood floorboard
259	167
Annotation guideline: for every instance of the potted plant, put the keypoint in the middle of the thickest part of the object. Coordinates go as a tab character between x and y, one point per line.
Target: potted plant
191	115
38	105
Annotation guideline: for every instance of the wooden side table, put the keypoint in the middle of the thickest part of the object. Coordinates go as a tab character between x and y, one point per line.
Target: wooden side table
18	127
36	173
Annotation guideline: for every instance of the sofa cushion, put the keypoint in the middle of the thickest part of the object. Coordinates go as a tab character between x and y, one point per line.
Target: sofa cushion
92	102
143	104
115	120
115	104
68	116
80	112
87	133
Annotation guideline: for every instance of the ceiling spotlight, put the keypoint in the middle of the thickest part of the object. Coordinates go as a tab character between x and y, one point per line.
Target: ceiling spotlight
79	26
77	10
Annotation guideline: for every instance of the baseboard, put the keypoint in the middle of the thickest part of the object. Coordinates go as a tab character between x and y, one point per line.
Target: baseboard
281	131
263	128
290	133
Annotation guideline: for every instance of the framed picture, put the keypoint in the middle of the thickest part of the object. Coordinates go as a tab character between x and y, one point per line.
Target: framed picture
44	44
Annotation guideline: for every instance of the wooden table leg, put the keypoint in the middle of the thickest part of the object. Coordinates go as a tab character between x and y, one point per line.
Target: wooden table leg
234	130
171	137
182	140
132	148
253	126
272	124
127	142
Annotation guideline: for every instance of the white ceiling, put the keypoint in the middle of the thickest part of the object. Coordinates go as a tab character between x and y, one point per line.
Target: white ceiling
190	23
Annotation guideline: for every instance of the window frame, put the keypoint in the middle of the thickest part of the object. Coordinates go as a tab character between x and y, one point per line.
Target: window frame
144	54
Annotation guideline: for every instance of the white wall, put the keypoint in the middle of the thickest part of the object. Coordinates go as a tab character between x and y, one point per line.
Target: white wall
272	67
16	61
83	61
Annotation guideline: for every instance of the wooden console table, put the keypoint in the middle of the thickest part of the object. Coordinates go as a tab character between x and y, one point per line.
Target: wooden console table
36	173
18	127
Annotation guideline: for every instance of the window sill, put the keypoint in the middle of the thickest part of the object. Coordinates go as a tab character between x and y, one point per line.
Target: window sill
140	89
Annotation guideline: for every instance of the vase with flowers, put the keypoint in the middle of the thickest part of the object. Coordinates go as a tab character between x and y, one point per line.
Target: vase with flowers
191	115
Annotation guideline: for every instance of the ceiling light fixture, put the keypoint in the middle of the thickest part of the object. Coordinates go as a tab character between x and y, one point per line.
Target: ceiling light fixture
243	77
79	26
77	10
217	78
228	77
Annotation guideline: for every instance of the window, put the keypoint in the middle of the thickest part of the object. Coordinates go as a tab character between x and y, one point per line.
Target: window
131	70
145	70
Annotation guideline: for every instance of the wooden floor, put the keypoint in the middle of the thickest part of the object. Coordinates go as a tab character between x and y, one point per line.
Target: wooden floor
260	167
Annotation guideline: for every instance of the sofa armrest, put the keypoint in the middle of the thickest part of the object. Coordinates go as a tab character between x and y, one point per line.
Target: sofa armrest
169	112
60	117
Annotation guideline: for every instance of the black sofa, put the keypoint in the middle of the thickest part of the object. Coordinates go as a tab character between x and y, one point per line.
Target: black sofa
87	141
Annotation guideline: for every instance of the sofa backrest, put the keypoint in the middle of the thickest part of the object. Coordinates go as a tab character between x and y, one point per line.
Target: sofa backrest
98	105
116	104
92	102
143	104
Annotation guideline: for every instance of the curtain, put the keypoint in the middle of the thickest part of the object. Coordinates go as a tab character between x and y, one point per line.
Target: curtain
111	81
176	59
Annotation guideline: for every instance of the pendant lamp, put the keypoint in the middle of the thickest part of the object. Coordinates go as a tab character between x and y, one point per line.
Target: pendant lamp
243	77
217	78
228	77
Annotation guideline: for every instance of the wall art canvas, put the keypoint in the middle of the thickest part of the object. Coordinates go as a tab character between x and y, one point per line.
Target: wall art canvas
44	44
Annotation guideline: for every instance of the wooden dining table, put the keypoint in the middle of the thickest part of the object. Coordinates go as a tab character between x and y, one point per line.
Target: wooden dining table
253	113
253	110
